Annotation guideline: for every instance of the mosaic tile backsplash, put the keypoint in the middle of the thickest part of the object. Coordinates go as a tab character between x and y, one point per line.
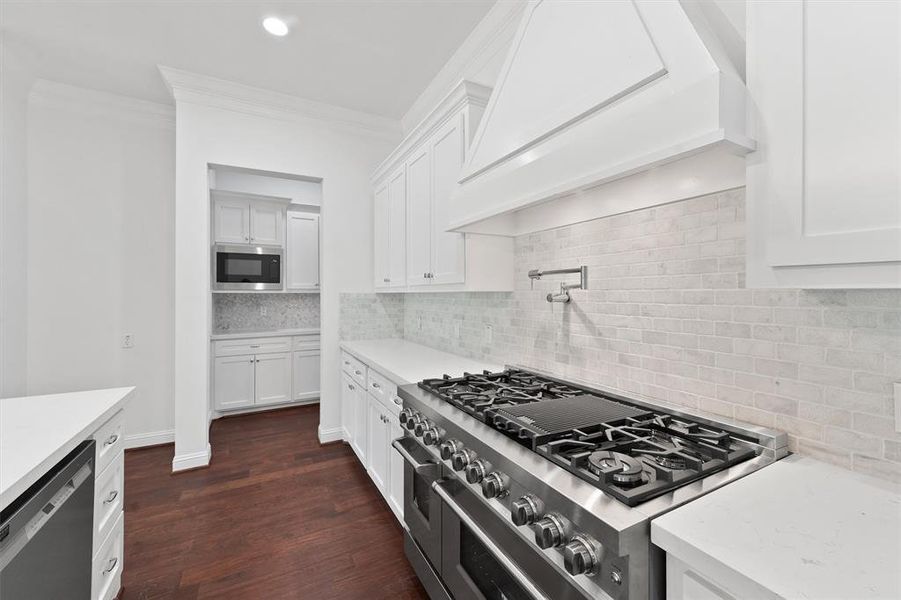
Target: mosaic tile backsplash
667	317
372	316
244	312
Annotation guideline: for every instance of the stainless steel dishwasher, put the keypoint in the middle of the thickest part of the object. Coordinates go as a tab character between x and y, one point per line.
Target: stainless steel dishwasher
46	533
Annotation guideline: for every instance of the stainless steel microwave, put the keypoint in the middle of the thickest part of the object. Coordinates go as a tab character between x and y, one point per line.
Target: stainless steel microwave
247	267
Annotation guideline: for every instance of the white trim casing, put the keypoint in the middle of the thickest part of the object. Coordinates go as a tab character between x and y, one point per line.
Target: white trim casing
93	103
150	438
192	460
331	434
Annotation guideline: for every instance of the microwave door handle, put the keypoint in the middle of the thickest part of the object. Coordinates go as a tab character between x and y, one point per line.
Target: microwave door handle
427	469
498	554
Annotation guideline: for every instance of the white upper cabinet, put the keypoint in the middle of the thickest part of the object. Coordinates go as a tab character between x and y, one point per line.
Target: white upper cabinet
240	218
231	220
823	190
412	205
600	108
303	251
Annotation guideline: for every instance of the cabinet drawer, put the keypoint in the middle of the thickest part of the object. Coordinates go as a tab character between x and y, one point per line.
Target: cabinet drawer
354	368
108	497
252	346
109	440
106	577
380	386
306	342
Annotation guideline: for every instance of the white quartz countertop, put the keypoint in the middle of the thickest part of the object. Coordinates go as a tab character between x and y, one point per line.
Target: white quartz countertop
798	528
36	432
240	335
406	362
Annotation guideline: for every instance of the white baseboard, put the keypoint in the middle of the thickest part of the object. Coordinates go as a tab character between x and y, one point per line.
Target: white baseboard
151	438
331	434
191	460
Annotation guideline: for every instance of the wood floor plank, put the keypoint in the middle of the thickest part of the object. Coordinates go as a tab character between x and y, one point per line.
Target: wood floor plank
275	516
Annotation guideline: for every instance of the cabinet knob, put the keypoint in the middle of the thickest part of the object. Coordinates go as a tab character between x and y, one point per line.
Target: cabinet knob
357	372
112	496
351	388
110	566
111	440
375	385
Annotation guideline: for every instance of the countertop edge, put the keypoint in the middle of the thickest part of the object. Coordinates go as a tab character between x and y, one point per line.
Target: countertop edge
369	360
15	490
239	335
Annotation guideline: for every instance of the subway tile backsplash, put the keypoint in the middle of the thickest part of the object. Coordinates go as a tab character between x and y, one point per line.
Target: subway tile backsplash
372	316
667	316
245	312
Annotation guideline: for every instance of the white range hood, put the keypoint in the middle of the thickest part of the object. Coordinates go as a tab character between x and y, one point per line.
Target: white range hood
602	108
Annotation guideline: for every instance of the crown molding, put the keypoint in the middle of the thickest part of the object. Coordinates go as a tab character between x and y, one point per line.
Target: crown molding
220	93
466	93
94	103
491	35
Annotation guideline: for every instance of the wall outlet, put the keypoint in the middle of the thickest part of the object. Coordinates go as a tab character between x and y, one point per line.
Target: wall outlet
487	334
128	340
263	311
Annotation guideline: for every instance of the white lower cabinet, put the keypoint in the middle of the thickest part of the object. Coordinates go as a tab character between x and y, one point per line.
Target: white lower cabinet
264	372
369	416
684	582
109	499
377	434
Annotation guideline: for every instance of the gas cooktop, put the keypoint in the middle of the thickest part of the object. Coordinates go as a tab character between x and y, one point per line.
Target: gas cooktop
628	450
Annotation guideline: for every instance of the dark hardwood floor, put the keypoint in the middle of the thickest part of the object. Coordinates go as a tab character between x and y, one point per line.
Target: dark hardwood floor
275	516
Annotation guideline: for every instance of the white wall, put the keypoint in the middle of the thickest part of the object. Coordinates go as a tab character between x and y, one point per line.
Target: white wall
298	190
15	81
100	250
343	159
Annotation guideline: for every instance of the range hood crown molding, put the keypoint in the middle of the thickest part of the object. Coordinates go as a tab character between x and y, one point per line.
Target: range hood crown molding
632	93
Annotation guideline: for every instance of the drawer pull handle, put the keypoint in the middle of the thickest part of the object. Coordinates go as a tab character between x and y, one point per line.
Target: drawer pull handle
254	345
111	440
111	565
112	496
397	401
375	385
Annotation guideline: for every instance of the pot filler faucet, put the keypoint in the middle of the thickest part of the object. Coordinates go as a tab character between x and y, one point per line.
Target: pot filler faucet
563	295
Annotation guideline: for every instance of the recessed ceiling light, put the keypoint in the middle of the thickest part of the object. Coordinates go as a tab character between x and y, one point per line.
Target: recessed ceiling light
275	26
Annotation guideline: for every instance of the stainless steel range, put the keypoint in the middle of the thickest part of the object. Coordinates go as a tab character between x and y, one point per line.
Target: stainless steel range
523	486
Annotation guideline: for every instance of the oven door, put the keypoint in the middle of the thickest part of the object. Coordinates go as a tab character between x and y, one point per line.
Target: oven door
483	558
422	506
247	268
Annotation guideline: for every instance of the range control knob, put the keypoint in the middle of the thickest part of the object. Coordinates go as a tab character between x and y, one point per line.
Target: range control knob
476	470
524	510
412	420
461	458
549	531
581	555
405	414
421	427
495	485
432	436
448	448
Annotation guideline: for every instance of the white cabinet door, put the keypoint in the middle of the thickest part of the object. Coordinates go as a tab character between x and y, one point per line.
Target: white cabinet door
377	432
306	374
823	188
267	224
348	407
395	469
397	229
273	378
419	217
303	251
232	221
233	382
361	419
381	234
447	249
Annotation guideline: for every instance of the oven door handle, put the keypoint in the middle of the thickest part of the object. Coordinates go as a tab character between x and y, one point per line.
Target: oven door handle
498	554
428	469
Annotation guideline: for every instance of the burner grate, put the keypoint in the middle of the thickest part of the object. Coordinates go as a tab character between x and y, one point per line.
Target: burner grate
550	419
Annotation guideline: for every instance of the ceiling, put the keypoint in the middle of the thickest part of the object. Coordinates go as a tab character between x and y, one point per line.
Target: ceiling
374	56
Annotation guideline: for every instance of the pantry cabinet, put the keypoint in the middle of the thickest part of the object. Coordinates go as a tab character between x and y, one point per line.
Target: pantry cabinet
823	192
241	218
303	251
413	193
